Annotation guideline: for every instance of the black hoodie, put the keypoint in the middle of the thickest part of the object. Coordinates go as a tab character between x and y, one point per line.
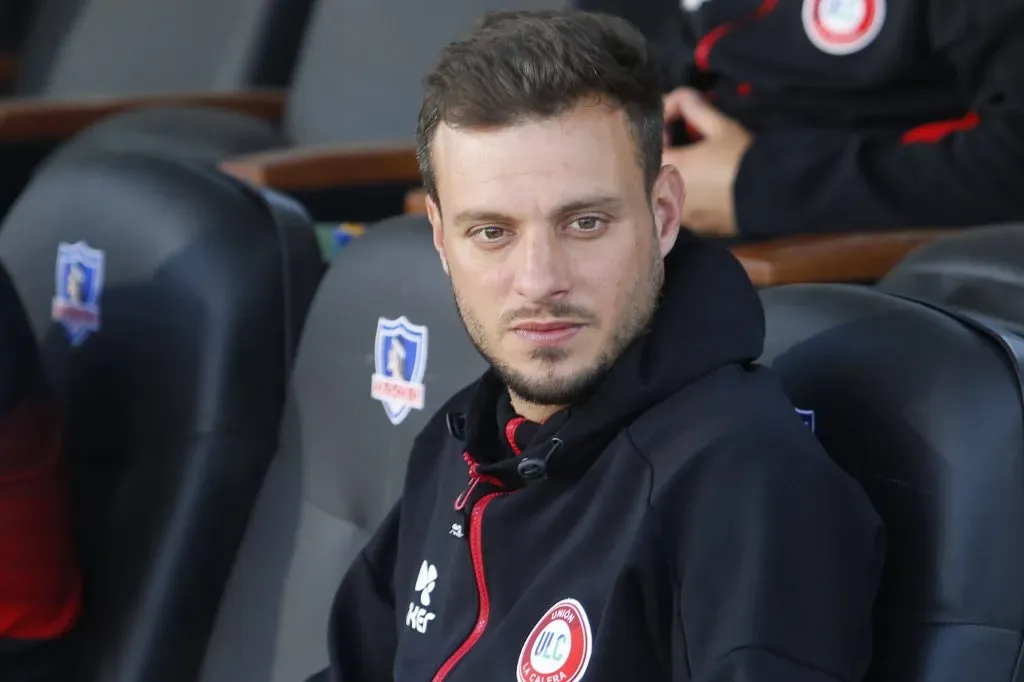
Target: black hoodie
680	524
916	119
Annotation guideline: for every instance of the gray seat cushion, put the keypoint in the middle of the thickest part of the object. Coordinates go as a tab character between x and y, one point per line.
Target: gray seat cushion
342	461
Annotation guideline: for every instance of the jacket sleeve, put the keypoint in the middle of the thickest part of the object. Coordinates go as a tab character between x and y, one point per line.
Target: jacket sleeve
808	181
663	24
363	634
778	568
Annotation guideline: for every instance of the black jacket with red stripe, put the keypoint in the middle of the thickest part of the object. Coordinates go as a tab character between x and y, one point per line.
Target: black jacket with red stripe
680	524
868	114
40	595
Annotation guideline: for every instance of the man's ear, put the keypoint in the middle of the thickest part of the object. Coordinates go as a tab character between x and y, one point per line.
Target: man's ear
434	216
667	199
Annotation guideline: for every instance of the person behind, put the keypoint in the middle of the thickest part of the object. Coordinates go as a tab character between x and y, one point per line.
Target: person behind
809	116
624	494
40	586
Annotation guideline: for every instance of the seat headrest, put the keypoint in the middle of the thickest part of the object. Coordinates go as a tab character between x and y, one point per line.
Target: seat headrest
926	413
168	299
385	307
347	88
113	49
173	264
980	270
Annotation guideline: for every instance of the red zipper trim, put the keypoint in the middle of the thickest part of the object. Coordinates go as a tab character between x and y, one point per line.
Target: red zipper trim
510	434
702	54
476	552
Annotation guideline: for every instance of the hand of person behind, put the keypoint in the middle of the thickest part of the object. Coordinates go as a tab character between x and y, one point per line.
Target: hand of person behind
709	165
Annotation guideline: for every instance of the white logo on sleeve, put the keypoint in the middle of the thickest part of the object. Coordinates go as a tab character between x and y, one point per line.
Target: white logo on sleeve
419	616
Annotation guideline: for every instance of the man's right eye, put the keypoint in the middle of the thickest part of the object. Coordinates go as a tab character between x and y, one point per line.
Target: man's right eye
491	233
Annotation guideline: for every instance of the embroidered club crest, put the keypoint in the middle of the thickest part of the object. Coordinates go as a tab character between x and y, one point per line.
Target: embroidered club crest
559	646
808	417
400	361
79	286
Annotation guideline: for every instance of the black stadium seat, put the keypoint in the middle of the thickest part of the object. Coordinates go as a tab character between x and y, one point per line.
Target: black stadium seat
83	59
168	301
40	26
112	48
343	453
978	272
358	79
926	412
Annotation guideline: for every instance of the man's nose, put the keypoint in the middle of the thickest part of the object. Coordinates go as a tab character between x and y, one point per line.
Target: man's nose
541	266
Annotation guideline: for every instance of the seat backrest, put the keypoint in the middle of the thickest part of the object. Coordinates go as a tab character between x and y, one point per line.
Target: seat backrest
167	300
45	26
927	414
116	48
343	452
360	74
978	271
13	18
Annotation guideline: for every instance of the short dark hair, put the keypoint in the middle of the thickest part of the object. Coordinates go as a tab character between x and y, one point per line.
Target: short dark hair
526	65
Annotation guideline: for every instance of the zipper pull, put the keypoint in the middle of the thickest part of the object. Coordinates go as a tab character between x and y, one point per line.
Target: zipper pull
460	525
474	480
463	498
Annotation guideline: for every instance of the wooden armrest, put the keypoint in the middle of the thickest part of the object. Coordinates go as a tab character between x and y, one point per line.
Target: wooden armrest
8	69
326	167
41	119
863	257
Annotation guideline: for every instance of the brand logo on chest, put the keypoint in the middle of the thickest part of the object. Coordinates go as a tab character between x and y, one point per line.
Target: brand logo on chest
559	646
419	616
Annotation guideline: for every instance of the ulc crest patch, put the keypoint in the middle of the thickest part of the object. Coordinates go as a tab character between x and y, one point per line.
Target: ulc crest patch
559	646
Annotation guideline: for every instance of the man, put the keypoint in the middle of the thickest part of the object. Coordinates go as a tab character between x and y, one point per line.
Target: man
40	590
642	502
832	115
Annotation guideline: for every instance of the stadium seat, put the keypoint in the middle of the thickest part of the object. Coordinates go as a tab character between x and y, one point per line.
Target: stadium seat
86	59
343	453
107	48
351	111
41	26
977	272
168	301
13	17
927	414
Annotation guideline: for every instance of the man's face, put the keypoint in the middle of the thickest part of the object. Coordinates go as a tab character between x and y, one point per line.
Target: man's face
553	245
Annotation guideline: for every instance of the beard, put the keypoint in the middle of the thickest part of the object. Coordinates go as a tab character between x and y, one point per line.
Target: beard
549	387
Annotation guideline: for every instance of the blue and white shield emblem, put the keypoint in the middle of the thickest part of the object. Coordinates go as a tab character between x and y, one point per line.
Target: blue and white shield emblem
808	417
79	286
400	361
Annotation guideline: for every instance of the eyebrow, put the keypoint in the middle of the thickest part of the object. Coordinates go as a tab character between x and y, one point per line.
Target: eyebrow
605	202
